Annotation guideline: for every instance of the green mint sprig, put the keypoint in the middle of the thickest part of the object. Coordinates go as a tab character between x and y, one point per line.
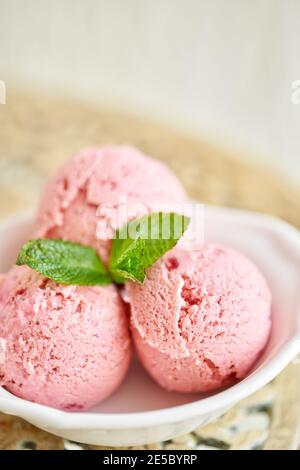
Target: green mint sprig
64	262
135	247
143	241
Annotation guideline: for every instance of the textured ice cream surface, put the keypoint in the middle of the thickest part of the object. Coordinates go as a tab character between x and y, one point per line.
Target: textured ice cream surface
201	318
99	190
62	346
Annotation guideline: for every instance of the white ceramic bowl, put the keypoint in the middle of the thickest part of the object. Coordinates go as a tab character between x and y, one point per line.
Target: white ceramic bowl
140	412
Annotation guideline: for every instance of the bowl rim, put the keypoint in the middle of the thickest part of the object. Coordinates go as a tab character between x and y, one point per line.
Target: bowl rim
59	419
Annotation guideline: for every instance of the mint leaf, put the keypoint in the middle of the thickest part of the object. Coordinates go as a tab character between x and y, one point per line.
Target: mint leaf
64	262
143	241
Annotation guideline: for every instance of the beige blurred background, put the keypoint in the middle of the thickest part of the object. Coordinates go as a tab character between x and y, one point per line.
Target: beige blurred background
220	69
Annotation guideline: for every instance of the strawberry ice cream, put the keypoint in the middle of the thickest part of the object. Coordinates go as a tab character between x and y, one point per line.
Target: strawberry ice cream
99	190
201	318
62	346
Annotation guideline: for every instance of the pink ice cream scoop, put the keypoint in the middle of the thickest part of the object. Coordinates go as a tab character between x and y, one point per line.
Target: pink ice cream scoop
62	346
101	189
201	318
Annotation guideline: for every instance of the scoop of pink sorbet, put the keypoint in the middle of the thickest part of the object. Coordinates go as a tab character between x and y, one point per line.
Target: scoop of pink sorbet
101	189
62	346
201	318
